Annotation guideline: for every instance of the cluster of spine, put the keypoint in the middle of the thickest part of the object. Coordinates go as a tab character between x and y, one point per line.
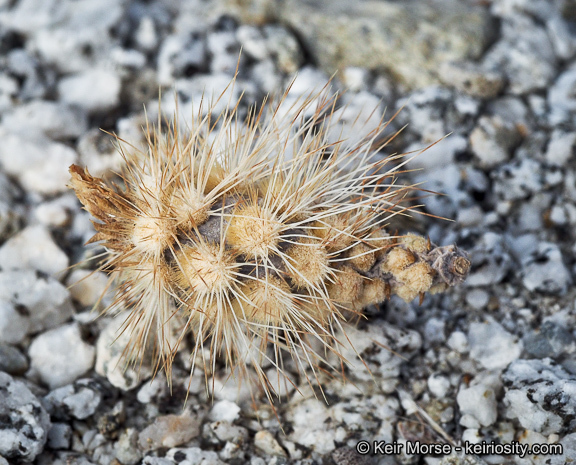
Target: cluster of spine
257	237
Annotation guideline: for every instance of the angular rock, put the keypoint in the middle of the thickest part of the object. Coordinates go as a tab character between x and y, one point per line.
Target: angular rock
541	396
42	299
39	164
490	260
480	402
60	356
109	360
544	271
25	424
95	90
55	120
472	79
170	431
372	34
492	140
33	248
78	400
492	346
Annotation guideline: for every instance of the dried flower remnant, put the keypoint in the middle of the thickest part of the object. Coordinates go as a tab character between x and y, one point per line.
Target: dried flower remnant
257	238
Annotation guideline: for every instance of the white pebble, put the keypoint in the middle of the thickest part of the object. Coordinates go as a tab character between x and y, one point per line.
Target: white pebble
40	165
59	356
438	385
480	402
471	435
13	325
109	360
267	443
458	342
55	120
33	248
224	410
477	298
94	90
43	299
561	147
492	346
86	286
52	214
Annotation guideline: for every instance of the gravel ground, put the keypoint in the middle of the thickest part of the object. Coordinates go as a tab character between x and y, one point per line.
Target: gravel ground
492	360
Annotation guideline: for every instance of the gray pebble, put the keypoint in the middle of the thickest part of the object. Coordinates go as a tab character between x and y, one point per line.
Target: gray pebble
525	54
544	271
492	140
24	432
12	361
552	340
79	400
59	436
541	396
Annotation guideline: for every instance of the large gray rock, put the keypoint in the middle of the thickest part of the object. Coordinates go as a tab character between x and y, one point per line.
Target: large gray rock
373	34
25	423
541	396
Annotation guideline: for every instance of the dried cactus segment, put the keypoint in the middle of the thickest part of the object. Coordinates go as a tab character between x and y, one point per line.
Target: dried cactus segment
253	230
415	243
347	287
264	301
256	238
308	264
414	266
203	269
188	207
397	260
153	234
375	292
362	257
113	210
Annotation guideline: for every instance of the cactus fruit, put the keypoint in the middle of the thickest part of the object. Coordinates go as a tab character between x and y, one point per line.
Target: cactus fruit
256	237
